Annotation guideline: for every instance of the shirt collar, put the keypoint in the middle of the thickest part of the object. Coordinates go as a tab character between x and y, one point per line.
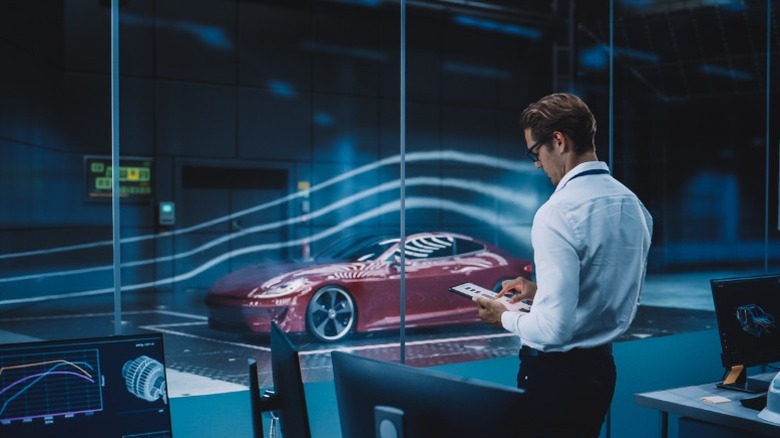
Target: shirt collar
582	167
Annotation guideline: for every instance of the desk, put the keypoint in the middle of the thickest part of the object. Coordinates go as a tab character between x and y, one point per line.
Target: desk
686	402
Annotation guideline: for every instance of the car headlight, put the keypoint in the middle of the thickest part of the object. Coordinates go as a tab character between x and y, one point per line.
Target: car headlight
295	286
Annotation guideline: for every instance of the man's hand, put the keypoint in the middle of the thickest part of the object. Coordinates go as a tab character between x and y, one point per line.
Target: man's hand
490	310
525	288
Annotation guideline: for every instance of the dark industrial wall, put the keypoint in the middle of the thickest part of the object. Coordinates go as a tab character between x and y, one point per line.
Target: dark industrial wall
302	91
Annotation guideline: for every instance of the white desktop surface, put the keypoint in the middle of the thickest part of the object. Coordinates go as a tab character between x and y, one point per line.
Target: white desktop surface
687	402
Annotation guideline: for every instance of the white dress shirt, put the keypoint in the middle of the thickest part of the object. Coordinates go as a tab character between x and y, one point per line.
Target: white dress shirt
590	241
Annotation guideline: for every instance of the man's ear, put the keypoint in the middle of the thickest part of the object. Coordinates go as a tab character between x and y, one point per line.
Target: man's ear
561	142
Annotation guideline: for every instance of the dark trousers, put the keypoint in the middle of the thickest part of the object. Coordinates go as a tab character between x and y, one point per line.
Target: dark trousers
567	394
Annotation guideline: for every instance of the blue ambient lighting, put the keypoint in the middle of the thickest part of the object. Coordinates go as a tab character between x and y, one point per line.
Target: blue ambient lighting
366	3
731	73
282	89
495	26
209	35
476	70
323	119
596	57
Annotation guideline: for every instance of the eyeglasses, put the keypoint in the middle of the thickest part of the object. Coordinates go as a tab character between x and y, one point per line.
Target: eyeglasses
531	154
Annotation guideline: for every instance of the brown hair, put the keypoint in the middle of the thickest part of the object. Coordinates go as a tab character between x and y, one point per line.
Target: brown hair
562	112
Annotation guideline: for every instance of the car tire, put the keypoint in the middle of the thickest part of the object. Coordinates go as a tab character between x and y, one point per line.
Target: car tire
331	314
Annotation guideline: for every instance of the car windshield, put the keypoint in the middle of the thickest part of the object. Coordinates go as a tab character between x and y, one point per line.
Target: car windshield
357	250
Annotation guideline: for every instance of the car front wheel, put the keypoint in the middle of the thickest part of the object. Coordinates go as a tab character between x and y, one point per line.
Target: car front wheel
331	314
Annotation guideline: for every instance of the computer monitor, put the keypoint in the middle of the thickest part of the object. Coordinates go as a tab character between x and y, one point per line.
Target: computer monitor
287	401
109	386
747	311
377	398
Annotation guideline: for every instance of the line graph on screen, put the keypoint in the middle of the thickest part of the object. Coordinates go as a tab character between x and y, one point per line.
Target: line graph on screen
62	383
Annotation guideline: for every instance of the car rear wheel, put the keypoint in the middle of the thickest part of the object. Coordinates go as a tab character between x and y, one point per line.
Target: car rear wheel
331	314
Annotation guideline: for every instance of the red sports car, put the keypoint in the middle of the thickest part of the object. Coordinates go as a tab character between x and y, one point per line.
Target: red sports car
358	287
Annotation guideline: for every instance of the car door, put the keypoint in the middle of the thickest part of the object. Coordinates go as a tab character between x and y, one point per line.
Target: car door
432	267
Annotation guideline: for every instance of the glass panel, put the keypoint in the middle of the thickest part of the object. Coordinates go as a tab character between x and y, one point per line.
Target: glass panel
276	123
254	136
690	137
55	219
472	68
260	155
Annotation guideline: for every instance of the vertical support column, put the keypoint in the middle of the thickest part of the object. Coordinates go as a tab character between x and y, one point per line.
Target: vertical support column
402	164
768	121
563	52
117	241
611	126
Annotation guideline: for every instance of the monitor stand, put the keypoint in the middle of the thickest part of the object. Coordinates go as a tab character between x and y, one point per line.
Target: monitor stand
259	403
738	381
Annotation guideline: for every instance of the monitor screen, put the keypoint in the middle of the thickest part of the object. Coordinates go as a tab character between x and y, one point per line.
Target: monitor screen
747	311
288	400
109	387
371	393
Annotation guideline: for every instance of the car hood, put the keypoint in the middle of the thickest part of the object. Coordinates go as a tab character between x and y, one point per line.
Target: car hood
245	279
274	280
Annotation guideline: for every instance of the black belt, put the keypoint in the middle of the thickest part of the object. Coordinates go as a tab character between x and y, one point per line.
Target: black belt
601	350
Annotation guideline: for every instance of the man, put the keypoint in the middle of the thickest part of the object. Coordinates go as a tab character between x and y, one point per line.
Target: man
590	242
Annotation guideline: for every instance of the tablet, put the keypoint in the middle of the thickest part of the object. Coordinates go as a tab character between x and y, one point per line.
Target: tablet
470	290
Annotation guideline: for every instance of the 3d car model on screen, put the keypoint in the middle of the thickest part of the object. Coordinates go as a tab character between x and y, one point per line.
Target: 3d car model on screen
357	287
755	320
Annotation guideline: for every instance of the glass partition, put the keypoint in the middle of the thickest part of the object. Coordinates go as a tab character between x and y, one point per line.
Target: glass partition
261	165
695	137
55	220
